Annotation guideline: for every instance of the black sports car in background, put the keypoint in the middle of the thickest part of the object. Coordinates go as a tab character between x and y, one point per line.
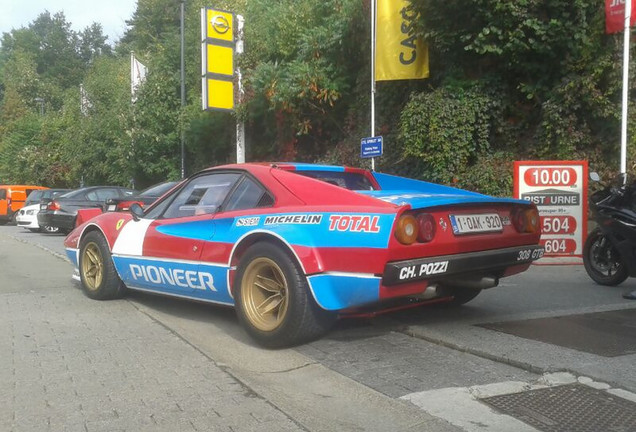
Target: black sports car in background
144	198
61	212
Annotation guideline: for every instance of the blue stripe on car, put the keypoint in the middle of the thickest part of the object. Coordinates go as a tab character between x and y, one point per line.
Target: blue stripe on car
186	279
312	167
354	233
340	291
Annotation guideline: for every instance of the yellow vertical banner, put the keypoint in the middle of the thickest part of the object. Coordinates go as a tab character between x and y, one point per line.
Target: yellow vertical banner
217	59
399	53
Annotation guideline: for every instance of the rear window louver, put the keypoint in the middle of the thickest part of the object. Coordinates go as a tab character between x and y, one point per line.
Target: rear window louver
265	201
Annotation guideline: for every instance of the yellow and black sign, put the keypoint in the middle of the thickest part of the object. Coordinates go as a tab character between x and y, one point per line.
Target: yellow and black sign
217	59
399	53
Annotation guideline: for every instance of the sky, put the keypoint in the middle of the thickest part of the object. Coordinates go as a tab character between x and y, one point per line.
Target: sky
111	14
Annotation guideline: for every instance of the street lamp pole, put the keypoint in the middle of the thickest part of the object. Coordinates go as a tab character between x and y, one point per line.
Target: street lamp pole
183	95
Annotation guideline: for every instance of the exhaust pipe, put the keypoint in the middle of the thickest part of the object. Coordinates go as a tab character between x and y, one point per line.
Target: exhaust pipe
483	283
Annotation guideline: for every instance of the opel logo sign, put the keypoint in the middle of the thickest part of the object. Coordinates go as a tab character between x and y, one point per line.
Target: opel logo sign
220	24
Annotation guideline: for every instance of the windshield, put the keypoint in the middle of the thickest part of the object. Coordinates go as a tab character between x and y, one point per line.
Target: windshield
77	193
33	197
157	190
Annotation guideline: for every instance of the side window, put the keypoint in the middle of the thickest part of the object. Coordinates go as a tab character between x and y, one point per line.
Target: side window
202	195
92	196
3	194
248	194
104	194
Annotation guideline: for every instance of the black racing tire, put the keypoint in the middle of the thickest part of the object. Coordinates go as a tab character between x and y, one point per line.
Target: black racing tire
602	261
34	230
99	278
4	222
273	300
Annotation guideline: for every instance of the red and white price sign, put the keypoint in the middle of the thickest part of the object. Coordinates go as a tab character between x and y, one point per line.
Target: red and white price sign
559	189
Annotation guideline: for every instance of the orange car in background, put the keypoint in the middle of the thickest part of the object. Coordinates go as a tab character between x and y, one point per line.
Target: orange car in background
12	198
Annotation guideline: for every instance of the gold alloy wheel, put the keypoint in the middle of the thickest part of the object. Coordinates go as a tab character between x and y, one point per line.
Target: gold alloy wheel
264	294
92	266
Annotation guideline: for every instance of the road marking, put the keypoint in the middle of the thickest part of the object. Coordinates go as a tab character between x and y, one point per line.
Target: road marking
460	407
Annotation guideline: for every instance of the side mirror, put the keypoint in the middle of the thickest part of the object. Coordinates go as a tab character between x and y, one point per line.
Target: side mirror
136	211
594	176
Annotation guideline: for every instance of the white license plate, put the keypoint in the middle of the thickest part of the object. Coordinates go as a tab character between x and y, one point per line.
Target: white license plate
476	223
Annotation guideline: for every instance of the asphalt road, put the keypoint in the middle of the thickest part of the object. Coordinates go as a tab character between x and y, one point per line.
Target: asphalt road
424	369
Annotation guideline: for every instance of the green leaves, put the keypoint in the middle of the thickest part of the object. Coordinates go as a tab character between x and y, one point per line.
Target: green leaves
509	80
448	129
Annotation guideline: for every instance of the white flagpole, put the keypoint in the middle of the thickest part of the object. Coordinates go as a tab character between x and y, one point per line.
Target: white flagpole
373	25
132	76
240	124
628	16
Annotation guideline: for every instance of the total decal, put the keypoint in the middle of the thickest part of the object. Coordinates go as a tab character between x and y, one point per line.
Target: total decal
354	223
559	190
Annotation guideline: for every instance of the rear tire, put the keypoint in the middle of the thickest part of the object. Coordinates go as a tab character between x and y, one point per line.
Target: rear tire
273	300
602	261
100	280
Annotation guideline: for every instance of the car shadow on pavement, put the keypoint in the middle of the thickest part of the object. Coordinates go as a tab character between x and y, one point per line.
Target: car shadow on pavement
224	317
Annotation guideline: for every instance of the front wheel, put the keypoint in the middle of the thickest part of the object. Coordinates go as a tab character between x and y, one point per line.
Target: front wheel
273	300
99	278
602	261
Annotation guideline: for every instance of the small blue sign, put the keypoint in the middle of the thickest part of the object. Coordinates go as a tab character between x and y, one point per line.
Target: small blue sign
371	147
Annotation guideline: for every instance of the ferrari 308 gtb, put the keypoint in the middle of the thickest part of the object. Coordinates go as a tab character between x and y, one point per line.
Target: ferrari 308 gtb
293	246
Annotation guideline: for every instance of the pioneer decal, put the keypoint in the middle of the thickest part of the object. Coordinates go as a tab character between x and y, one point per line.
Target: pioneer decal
174	277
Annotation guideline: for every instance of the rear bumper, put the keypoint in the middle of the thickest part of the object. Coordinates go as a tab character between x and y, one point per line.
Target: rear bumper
63	221
440	267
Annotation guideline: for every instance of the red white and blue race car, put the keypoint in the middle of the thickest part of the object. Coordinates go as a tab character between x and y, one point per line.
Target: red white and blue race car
293	246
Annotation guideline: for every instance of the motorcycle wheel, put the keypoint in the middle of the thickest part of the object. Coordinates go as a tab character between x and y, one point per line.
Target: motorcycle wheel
602	261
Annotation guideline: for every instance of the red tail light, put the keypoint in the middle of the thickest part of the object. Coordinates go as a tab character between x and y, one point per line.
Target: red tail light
525	220
53	205
427	227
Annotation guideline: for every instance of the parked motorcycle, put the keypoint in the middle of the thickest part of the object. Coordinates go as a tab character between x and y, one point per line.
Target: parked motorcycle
609	253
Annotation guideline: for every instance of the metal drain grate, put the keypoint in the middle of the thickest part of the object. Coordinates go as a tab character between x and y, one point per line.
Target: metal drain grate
568	408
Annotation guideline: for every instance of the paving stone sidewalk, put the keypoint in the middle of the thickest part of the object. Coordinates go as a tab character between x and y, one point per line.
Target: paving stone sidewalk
68	363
